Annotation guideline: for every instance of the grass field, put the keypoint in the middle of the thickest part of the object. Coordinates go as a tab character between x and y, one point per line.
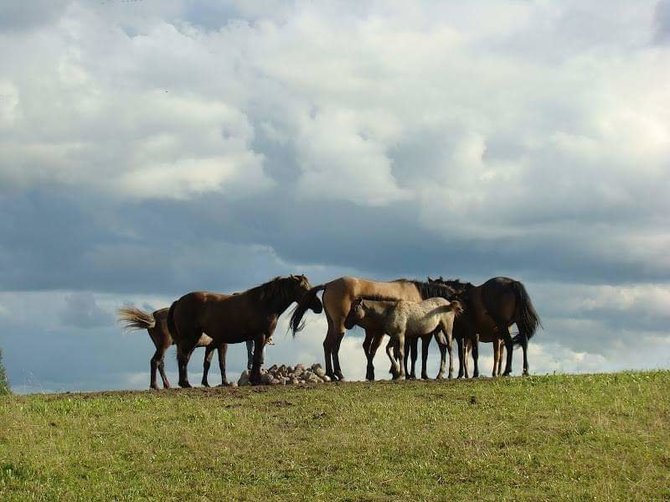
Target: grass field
536	438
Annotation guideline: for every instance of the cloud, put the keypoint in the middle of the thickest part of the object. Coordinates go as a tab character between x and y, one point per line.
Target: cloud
157	148
82	311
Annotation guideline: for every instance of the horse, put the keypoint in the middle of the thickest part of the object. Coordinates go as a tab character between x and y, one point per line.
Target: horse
404	319
338	295
490	309
471	348
251	315
156	325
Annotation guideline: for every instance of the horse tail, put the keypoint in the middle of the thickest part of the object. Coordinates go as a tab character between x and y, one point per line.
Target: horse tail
296	323
133	318
527	318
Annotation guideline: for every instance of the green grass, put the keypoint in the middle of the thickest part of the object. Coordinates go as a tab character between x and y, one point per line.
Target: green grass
4	384
596	437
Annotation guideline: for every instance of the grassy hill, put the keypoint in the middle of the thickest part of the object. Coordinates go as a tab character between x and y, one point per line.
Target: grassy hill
538	438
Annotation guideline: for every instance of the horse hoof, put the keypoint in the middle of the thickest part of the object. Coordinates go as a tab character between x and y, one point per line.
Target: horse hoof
184	385
224	384
424	377
205	384
340	377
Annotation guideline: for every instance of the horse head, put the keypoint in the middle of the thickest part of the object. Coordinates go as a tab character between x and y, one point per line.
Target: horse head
302	286
356	313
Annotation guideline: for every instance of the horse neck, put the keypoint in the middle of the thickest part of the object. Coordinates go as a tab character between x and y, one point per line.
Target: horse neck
376	311
279	304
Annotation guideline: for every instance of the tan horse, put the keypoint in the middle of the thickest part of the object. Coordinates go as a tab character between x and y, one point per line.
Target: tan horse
490	309
156	325
403	319
251	315
337	298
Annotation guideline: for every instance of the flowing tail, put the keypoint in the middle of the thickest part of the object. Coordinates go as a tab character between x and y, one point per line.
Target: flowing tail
296	323
133	318
528	320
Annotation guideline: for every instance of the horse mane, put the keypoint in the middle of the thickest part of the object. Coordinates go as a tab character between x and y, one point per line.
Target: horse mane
379	298
459	287
275	289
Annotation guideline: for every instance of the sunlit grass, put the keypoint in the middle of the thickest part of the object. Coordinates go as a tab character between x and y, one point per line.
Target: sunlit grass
575	437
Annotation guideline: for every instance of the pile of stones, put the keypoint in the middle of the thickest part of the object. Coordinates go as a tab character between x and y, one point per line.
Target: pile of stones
288	375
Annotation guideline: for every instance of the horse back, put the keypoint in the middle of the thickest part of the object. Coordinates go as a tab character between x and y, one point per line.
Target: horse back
339	293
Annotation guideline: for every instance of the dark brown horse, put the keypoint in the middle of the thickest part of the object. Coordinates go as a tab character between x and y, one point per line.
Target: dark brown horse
251	315
490	309
337	298
156	325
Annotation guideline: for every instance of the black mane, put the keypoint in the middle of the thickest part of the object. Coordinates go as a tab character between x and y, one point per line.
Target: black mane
278	289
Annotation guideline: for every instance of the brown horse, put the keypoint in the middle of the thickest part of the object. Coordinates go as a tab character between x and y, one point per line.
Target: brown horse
470	348
251	315
337	298
490	309
156	325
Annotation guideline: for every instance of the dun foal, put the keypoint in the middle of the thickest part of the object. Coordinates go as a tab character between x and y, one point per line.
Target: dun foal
406	319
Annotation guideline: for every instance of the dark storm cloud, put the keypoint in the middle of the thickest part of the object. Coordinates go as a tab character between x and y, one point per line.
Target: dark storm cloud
151	149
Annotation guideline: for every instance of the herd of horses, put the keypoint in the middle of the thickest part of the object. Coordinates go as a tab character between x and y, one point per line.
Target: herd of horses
405	310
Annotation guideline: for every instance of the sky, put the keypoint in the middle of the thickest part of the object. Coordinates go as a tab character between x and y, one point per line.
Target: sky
151	148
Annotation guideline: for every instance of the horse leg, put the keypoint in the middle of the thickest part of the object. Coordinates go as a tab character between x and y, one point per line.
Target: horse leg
425	343
255	376
184	352
401	355
475	355
503	329
336	357
443	360
375	340
411	349
459	349
497	357
223	349
328	344
390	349
367	343
524	347
501	353
161	369
467	348
209	353
448	332
250	354
154	366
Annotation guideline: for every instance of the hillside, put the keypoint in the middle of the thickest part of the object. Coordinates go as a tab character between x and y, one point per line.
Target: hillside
589	436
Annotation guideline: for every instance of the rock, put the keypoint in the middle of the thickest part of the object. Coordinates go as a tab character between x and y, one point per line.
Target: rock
325	378
266	379
294	381
319	371
244	378
312	378
233	384
272	368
